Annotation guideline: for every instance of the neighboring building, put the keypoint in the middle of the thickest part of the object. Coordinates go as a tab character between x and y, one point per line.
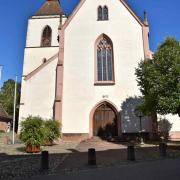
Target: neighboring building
87	80
5	120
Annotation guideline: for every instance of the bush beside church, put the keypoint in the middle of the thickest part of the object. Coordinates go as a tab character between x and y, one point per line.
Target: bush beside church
36	132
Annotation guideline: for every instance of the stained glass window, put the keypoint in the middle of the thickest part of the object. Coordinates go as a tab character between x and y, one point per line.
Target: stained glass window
109	62
104	59
99	65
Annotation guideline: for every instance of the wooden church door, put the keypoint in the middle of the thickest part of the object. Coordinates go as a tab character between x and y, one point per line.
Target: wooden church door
105	121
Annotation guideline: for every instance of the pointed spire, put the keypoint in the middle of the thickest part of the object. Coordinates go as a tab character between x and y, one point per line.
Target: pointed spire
145	19
50	7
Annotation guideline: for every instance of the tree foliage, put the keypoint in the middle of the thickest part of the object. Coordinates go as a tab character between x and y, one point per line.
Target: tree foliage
7	96
159	79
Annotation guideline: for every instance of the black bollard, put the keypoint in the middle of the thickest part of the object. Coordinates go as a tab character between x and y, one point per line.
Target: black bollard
131	153
91	157
44	160
162	149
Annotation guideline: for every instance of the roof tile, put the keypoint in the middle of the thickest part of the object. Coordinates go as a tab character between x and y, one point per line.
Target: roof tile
50	7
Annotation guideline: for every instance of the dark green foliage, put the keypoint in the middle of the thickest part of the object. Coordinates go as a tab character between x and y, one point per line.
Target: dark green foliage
7	96
51	130
36	131
108	131
32	132
164	127
159	79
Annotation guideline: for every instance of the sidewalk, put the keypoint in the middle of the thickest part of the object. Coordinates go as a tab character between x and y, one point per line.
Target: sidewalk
72	157
108	154
15	163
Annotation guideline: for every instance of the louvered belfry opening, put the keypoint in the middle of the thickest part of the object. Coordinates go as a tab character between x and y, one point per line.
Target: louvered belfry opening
46	37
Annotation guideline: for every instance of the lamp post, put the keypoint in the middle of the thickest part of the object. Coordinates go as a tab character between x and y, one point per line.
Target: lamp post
14	112
139	114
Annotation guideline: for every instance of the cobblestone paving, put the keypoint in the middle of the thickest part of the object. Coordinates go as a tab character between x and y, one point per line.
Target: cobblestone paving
109	154
16	164
71	156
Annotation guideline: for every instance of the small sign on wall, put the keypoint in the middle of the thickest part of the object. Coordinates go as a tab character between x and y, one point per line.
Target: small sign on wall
105	96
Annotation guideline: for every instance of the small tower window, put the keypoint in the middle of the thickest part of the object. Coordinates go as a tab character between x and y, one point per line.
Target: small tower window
105	13
100	13
46	37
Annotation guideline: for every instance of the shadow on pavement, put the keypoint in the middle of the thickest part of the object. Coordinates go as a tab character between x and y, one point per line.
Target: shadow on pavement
112	154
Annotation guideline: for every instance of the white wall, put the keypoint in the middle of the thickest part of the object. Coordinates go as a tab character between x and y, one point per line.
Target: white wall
174	120
36	26
38	93
79	93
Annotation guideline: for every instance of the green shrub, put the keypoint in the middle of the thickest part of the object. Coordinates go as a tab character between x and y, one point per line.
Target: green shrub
32	132
164	127
51	130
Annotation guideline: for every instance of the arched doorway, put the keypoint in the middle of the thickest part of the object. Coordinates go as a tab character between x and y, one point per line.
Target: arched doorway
105	121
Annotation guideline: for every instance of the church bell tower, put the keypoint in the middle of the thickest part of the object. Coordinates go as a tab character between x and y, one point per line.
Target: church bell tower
40	61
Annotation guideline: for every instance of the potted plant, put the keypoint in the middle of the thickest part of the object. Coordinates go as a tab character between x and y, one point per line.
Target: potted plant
51	131
32	134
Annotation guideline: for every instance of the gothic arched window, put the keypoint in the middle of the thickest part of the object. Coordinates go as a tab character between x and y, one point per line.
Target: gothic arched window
104	60
100	13
105	13
46	37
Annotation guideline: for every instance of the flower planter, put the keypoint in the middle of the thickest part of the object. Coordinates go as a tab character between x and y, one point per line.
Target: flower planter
49	143
33	149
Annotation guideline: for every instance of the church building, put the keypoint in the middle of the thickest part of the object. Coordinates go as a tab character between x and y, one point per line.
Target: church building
80	70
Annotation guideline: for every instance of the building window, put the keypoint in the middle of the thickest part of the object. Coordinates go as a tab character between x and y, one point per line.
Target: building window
103	14
46	37
104	61
100	13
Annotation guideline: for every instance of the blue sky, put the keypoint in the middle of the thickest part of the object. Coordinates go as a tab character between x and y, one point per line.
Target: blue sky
163	15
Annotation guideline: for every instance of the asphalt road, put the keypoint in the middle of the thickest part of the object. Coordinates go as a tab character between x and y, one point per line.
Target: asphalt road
168	169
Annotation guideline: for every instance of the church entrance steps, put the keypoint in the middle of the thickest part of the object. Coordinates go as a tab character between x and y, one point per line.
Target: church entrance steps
99	144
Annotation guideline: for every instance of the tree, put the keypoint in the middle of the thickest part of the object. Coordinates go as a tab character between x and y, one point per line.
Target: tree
7	97
159	79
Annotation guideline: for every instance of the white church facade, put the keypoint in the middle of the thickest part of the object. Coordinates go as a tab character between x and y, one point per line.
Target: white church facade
80	70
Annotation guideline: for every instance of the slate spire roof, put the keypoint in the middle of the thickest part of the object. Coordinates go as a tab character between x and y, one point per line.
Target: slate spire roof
50	7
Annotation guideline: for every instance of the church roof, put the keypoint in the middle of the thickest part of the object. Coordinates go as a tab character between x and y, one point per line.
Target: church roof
50	7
